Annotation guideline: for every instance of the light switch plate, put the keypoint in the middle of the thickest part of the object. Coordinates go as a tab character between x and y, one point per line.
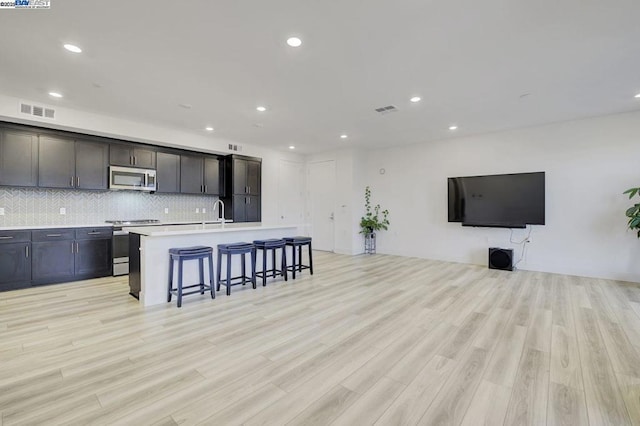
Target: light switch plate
1	211
197	210
166	210
204	210
63	210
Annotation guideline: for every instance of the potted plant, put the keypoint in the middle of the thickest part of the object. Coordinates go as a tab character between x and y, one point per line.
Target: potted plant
633	212
372	221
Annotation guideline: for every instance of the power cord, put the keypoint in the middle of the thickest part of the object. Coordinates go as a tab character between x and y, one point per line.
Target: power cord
523	243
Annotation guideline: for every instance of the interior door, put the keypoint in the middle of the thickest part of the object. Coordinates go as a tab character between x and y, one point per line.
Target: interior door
290	193
322	184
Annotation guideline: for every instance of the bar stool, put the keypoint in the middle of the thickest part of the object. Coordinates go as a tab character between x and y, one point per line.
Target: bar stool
190	253
299	242
271	245
229	250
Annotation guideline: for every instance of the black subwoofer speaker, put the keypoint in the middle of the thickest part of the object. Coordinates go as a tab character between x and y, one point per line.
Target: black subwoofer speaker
500	258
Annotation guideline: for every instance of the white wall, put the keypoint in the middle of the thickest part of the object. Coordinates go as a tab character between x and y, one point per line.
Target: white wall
588	164
101	125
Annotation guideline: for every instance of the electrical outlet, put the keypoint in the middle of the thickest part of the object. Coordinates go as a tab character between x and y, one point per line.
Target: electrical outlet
63	210
1	211
166	210
204	210
197	210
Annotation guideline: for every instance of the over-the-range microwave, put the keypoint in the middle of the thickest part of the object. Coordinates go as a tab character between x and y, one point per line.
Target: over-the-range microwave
132	178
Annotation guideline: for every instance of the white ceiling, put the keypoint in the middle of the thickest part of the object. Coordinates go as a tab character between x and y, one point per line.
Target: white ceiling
469	60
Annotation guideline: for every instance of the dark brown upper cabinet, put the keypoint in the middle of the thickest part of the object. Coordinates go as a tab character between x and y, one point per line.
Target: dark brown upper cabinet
130	155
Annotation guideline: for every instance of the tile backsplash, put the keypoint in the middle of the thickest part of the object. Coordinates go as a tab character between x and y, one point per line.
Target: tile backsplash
39	207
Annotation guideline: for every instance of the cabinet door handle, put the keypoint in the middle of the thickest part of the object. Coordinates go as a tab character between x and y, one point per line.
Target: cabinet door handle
54	235
71	247
6	238
77	181
77	248
205	189
135	160
26	249
249	188
94	233
131	160
71	183
248	200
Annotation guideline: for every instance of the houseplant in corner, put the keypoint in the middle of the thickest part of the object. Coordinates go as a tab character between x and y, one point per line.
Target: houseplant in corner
633	212
372	221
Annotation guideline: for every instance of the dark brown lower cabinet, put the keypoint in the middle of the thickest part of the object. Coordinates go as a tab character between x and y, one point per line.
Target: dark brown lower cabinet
93	258
246	208
53	261
51	256
15	265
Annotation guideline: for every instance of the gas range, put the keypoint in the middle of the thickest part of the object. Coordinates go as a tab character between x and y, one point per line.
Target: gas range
134	222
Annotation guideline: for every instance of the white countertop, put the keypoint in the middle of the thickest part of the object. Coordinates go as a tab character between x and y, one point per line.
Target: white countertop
170	230
99	225
20	228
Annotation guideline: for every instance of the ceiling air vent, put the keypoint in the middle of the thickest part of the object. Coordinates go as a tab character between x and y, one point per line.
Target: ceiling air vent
234	147
386	109
37	110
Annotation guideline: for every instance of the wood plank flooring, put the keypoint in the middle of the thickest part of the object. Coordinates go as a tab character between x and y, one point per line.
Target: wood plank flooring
378	339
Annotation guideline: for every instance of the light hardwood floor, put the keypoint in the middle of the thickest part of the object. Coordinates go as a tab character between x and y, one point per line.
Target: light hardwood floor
367	340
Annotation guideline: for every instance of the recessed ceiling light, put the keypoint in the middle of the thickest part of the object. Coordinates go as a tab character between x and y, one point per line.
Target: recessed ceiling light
55	94
343	136
415	99
294	42
261	109
72	48
209	129
637	96
292	147
454	127
185	106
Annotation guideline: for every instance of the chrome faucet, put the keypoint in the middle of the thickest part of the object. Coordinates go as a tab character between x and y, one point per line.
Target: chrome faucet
220	216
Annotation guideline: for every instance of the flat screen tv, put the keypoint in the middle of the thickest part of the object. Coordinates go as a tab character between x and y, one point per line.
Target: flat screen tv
504	201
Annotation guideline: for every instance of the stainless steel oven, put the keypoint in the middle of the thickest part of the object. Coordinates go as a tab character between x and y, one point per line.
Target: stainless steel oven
121	243
120	252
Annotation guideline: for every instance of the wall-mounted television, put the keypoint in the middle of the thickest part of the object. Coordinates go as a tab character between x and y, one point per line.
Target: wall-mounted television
503	201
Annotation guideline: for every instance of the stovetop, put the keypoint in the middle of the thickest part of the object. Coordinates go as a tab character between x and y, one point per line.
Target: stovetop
134	222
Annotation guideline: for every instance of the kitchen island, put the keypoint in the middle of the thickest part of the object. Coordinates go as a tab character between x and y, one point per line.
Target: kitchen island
149	252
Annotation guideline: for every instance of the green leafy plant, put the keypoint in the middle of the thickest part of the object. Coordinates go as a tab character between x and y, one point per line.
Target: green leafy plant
373	219
633	212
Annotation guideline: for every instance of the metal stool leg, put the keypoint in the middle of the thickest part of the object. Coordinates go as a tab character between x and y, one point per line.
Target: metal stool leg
218	272
228	275
180	282
284	262
201	267
170	278
253	266
264	266
310	259
211	280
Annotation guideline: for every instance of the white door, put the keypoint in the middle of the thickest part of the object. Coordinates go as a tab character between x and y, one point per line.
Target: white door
290	193
322	187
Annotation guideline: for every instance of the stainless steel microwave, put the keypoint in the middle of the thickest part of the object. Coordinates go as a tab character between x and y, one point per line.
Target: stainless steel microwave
132	178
